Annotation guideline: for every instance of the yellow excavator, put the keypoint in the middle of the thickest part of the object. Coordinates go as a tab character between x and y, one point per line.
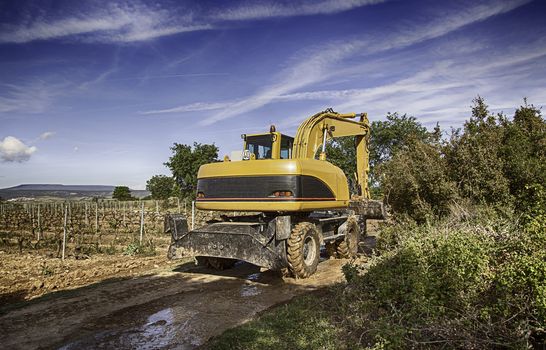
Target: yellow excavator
293	200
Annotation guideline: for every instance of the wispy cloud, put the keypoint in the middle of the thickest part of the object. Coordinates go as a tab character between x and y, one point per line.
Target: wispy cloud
46	135
261	10
319	65
115	23
443	91
193	107
33	97
14	150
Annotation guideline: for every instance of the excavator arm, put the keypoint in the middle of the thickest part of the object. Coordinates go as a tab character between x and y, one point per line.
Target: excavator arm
314	132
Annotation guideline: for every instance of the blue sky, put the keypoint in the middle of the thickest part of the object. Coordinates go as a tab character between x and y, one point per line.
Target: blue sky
95	92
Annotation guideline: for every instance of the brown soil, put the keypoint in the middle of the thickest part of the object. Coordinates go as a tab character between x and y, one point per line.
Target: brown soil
116	301
170	307
32	274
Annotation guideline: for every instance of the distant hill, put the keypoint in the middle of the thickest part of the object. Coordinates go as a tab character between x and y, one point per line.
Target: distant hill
62	191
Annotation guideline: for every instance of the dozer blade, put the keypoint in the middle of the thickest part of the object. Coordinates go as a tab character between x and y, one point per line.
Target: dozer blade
254	242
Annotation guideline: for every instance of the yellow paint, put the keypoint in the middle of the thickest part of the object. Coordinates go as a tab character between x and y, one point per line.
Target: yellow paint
309	138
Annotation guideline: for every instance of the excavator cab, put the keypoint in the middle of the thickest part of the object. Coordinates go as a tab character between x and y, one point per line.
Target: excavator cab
273	145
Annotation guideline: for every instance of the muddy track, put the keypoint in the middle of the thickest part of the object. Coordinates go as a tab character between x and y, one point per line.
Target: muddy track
172	309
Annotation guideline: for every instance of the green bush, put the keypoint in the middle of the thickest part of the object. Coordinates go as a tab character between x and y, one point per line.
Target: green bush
473	281
416	182
136	248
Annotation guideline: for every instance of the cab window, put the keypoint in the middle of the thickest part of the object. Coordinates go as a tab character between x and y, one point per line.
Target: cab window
260	145
286	146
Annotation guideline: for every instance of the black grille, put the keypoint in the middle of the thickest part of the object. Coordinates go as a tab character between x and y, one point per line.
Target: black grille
261	187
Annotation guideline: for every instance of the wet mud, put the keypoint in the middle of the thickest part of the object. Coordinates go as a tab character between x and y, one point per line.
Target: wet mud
174	309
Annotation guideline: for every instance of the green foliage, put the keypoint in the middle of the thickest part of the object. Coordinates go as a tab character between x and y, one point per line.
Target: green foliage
492	160
524	152
416	182
161	186
475	158
109	249
132	249
350	271
387	138
46	270
474	280
390	136
136	248
306	323
393	134
185	162
341	152
122	193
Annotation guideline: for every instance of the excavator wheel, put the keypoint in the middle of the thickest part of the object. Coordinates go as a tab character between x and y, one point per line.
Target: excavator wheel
303	250
215	263
348	247
331	249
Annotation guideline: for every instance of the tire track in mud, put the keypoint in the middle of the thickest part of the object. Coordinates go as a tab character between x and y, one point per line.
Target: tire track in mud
179	309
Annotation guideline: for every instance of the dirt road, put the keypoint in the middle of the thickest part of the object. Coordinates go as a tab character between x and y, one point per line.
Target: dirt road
176	308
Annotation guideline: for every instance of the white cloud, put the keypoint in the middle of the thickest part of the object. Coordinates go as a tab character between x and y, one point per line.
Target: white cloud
33	97
193	107
288	9
321	64
13	150
46	135
140	21
115	23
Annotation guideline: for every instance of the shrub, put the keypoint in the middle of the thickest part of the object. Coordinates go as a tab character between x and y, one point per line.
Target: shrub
473	281
416	182
136	248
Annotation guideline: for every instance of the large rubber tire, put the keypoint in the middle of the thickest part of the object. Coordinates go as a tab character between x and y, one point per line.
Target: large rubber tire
215	263
303	250
348	247
331	249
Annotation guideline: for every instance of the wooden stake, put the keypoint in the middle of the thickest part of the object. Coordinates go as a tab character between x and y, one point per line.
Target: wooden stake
96	217
64	230
39	223
192	215
141	222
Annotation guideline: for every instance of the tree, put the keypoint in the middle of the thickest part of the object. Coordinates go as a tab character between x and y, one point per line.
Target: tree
524	154
393	134
341	152
122	193
475	159
161	186
185	162
387	138
416	182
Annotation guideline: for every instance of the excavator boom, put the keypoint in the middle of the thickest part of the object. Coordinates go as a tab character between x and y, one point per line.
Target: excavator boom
321	127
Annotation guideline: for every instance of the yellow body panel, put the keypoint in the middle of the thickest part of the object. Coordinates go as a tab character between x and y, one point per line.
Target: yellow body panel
329	174
267	206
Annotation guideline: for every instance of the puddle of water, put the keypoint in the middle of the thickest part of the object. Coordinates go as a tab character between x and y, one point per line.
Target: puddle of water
249	290
160	331
254	277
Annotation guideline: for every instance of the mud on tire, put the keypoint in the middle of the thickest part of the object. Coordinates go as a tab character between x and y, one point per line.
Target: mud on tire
348	247
303	250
